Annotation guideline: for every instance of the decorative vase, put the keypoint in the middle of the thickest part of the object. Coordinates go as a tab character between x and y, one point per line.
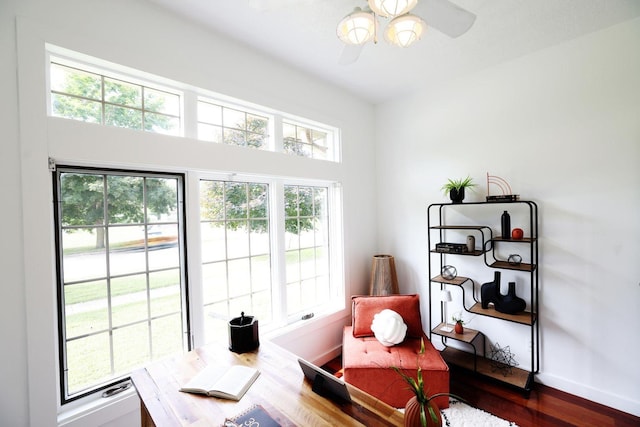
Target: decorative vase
505	223
459	329
412	414
508	304
456	196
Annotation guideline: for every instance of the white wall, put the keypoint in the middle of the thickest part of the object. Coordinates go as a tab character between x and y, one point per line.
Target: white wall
563	127
138	35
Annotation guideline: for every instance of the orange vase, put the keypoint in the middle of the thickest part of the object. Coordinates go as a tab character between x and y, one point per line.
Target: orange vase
458	328
412	414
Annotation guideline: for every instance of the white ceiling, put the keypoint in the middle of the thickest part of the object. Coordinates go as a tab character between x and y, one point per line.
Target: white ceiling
303	34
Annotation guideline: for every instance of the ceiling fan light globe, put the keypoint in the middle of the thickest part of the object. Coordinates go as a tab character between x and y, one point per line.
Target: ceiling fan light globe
404	30
391	8
356	28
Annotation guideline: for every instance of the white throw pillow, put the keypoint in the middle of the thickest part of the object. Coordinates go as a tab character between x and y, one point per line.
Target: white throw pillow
389	327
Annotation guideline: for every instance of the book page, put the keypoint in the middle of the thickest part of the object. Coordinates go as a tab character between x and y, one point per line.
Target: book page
222	381
235	379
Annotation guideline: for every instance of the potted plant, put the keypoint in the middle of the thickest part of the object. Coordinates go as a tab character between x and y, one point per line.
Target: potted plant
415	413
455	188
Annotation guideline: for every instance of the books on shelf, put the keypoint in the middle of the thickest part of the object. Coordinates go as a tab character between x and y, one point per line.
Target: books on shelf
222	381
503	198
255	416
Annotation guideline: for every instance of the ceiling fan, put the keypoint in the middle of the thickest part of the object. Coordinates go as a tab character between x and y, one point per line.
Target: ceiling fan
404	28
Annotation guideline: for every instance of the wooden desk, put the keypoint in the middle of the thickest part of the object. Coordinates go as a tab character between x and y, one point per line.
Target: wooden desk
281	389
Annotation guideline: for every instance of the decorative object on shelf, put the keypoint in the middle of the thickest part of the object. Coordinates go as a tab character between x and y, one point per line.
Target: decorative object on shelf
511	303
454	248
471	243
243	334
508	304
517	234
455	188
449	272
421	410
514	259
459	322
503	186
384	280
505	222
502	360
445	297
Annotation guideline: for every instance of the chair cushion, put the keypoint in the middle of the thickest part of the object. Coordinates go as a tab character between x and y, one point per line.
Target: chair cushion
365	307
367	365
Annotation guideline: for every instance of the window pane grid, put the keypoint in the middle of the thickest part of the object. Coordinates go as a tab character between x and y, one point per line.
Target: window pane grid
115	305
81	95
236	259
307	248
305	141
217	123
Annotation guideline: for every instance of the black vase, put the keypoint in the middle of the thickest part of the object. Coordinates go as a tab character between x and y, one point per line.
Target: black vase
508	304
511	304
490	291
456	196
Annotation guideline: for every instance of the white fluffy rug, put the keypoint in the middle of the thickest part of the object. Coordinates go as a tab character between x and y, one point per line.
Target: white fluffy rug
460	414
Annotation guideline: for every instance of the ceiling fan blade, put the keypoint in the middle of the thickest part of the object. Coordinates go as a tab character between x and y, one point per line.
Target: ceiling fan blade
447	17
271	5
350	54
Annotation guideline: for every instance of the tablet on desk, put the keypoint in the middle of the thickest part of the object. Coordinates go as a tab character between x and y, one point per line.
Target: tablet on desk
324	383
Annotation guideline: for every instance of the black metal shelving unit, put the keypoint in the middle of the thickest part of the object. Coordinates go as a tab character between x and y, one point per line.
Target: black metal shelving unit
474	356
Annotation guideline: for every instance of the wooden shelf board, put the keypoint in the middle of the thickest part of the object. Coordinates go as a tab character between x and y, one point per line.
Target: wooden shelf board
521	267
458	280
458	227
467	336
525	318
518	377
473	253
523	240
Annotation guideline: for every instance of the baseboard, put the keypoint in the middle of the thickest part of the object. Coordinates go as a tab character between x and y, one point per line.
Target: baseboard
616	401
327	356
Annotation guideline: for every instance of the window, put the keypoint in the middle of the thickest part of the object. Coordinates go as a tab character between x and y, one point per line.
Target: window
90	97
305	141
121	275
236	255
240	253
231	126
269	246
306	248
88	93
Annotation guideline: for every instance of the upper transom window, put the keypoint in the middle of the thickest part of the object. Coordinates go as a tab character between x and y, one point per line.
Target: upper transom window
90	97
227	125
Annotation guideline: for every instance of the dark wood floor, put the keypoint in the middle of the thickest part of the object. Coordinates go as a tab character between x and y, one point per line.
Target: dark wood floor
545	406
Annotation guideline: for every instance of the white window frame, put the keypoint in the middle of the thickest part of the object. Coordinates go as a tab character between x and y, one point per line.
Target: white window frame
278	266
122	74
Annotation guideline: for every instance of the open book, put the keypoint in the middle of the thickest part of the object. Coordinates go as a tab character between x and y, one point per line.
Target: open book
222	381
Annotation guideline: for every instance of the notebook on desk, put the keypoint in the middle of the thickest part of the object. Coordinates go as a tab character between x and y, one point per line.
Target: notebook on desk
324	383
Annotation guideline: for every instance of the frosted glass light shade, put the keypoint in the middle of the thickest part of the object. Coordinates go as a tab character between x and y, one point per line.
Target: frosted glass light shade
404	30
390	8
357	28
